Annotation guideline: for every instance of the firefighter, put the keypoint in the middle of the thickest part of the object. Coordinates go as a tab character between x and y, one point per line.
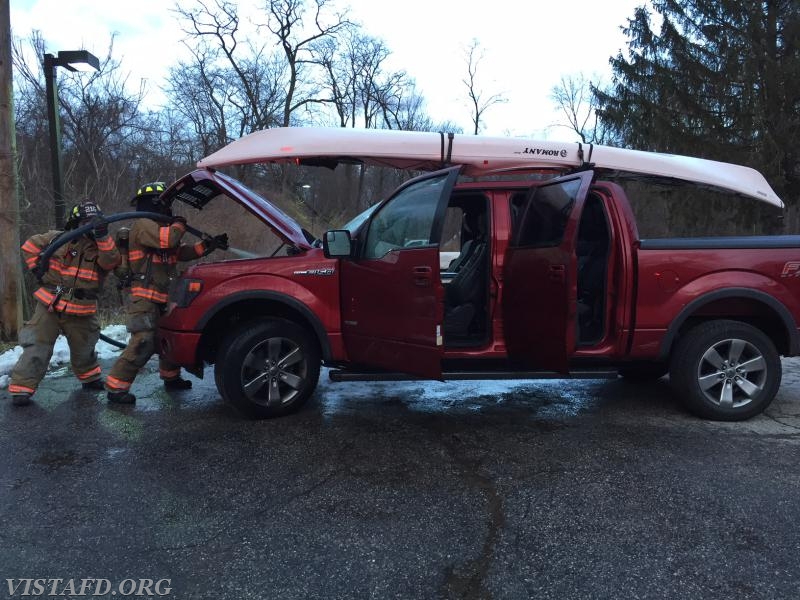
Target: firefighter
154	250
66	302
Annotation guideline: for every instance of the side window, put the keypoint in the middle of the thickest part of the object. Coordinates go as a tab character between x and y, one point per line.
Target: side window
451	235
405	221
545	217
516	209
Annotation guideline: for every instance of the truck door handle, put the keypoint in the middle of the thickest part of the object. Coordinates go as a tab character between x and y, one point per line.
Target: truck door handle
423	276
557	273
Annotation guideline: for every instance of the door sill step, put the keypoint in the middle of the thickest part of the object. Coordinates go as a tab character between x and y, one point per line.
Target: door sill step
344	375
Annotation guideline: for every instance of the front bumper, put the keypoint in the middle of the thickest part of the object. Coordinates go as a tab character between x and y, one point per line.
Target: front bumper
179	347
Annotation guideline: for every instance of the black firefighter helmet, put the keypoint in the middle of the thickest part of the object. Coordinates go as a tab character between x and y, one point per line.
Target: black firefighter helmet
82	213
148	198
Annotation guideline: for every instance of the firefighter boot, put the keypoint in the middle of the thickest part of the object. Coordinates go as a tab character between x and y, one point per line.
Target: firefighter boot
121	397
177	384
21	399
94	386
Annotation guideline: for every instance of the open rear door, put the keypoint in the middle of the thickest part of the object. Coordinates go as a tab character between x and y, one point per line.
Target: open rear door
540	278
391	293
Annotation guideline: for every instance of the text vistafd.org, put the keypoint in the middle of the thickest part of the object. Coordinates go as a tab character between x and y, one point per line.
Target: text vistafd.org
88	587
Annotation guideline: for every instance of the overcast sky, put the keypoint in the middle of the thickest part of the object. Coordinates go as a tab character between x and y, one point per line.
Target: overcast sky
528	45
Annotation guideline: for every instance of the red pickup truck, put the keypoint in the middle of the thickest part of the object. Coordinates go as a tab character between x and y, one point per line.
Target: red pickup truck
550	279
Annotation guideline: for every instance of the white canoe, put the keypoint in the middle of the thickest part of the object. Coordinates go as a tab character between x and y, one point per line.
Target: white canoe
480	155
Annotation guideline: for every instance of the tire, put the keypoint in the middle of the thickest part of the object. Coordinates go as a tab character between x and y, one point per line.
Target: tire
643	371
725	370
265	352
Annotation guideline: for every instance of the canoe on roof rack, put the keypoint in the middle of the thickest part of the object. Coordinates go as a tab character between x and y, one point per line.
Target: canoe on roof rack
479	155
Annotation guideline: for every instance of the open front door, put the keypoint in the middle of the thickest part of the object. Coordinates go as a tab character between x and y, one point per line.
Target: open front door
392	295
540	278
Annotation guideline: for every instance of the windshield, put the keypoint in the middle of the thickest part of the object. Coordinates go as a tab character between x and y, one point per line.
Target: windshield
359	219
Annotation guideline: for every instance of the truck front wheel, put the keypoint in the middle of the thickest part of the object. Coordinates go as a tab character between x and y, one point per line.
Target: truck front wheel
725	370
268	368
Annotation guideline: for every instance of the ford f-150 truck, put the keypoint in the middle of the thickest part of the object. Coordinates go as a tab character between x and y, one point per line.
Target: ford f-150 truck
551	278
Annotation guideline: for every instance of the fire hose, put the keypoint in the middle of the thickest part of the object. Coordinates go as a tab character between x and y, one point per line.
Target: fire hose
68	236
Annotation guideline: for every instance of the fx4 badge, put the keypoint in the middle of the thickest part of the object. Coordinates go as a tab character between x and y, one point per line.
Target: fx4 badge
791	269
326	271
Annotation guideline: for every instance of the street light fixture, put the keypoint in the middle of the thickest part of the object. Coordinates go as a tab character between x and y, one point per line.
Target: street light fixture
74	60
306	190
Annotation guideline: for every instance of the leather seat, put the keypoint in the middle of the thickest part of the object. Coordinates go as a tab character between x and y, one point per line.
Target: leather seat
465	294
474	229
466	251
592	254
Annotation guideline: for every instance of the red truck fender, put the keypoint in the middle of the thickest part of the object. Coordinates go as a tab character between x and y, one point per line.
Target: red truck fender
777	307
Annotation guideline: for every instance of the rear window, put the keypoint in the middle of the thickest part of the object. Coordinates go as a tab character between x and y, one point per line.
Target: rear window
669	208
543	219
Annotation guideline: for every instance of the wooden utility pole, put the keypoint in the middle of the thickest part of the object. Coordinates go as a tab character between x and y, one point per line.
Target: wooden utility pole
10	273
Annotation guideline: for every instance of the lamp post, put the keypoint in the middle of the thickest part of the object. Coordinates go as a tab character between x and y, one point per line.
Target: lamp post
69	59
306	190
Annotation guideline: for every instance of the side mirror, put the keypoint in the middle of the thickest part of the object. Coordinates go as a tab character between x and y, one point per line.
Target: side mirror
337	243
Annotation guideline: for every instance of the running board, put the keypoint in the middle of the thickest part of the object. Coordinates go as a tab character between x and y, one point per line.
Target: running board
342	375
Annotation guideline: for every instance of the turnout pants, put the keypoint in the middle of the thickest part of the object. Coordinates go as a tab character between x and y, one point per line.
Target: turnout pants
143	318
37	338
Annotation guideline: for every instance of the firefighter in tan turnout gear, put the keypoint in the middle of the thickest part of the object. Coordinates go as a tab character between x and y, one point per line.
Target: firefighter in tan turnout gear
66	302
154	250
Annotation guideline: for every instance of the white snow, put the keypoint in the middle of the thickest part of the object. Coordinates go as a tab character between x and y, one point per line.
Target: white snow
61	352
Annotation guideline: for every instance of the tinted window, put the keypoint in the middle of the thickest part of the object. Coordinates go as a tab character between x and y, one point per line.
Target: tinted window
406	221
545	216
357	221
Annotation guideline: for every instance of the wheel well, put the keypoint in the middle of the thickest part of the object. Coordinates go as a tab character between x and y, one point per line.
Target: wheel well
251	309
747	310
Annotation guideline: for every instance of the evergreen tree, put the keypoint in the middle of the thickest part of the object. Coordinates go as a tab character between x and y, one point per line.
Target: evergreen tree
718	79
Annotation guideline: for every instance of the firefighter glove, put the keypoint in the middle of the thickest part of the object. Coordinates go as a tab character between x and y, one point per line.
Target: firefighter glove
218	242
99	228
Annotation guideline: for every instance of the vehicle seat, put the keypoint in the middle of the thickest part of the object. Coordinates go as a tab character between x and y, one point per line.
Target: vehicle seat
466	251
592	254
465	294
474	229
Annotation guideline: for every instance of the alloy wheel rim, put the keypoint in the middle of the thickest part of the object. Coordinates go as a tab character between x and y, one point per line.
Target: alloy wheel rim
273	372
732	373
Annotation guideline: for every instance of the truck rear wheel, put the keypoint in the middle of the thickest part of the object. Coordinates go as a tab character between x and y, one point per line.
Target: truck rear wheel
268	368
725	370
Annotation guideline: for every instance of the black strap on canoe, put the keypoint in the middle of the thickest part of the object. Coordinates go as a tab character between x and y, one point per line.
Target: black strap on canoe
446	155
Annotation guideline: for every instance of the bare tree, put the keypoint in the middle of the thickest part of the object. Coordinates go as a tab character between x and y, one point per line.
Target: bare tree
573	96
297	37
479	101
230	86
363	93
103	124
351	72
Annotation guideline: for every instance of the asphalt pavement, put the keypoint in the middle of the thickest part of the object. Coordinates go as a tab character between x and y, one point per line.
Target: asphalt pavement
549	489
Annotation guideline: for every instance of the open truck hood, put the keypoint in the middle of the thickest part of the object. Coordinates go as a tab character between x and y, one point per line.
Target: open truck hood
201	185
479	155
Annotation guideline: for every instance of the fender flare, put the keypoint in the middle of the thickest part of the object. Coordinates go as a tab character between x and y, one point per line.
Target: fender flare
751	294
309	315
